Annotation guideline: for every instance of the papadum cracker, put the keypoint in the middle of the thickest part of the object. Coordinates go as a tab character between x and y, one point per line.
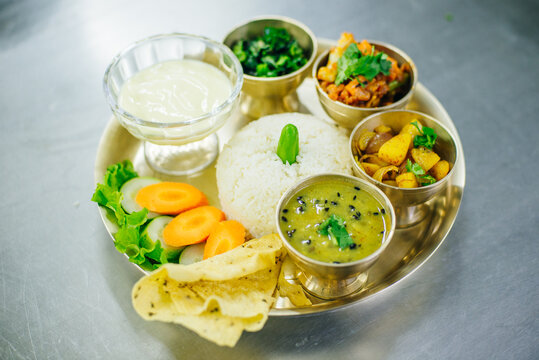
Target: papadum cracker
218	298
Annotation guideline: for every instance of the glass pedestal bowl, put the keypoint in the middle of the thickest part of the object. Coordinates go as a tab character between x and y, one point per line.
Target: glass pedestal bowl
184	147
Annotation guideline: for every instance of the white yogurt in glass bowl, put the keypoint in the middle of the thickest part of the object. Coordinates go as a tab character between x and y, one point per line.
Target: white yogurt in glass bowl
174	92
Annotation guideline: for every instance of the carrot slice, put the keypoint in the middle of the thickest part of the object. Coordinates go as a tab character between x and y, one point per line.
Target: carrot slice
170	198
225	236
192	226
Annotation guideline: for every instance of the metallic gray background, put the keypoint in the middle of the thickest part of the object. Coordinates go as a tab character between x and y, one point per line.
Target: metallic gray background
65	291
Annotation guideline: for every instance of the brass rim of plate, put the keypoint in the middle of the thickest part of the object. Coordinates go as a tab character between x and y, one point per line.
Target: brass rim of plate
117	144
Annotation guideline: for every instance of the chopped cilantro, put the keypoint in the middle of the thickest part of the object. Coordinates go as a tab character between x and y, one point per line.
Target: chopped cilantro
427	138
334	228
352	63
275	53
423	178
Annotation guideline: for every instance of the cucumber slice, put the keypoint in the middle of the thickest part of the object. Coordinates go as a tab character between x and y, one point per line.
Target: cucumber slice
155	228
129	191
154	231
192	254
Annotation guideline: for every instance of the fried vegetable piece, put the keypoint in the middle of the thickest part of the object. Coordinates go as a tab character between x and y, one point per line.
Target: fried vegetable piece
395	149
369	168
412	130
334	91
382	129
406	180
365	47
344	41
426	158
440	170
328	73
224	237
170	198
373	159
364	139
376	142
192	226
354	94
386	173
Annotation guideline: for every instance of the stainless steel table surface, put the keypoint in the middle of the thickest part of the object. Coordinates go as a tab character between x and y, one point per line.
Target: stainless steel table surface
65	290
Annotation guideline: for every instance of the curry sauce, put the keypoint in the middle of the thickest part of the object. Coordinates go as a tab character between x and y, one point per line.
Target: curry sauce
334	222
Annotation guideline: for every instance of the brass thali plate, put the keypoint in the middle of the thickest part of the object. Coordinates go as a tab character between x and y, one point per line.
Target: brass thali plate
409	248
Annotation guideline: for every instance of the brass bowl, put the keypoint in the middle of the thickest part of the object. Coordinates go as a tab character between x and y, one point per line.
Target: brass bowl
349	116
273	95
329	280
407	202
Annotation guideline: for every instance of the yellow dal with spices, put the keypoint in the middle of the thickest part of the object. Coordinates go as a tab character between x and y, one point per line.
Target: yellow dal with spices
363	217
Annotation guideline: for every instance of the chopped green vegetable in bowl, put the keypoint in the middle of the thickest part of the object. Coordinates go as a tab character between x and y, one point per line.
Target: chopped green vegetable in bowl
275	53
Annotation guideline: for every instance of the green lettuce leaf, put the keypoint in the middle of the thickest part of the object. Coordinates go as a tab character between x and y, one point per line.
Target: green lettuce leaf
118	174
111	199
129	240
140	249
126	238
137	218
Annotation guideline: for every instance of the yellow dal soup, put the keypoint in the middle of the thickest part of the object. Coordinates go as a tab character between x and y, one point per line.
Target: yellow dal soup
334	222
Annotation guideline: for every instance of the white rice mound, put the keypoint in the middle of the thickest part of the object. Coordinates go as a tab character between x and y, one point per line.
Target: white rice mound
251	178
